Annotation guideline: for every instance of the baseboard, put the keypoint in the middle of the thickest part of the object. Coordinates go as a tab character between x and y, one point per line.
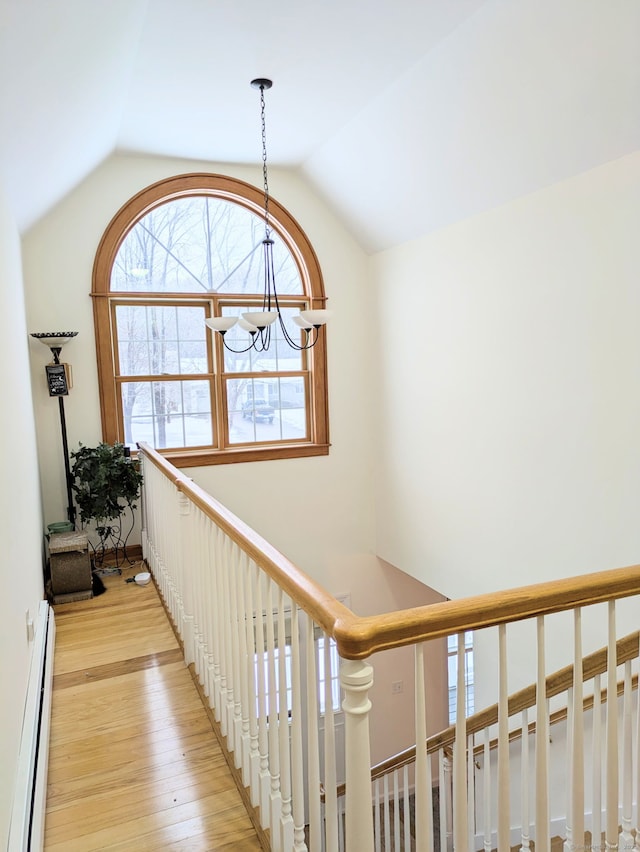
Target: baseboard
26	832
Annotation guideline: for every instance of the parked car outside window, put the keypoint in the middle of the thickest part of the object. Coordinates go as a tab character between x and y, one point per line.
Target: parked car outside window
258	410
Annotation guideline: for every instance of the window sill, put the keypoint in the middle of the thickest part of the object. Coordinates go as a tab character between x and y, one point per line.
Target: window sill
204	458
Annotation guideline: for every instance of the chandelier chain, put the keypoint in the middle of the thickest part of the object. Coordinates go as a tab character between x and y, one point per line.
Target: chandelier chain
267	226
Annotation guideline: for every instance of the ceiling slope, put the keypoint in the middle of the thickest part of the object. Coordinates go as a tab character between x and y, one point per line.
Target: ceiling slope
406	116
520	96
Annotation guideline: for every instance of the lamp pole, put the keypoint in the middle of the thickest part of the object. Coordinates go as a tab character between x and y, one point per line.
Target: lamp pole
71	509
58	382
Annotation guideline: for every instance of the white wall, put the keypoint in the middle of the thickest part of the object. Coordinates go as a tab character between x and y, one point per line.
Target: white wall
20	511
509	451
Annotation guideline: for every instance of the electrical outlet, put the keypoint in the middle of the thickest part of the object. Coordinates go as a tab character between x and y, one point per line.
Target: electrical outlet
30	630
396	687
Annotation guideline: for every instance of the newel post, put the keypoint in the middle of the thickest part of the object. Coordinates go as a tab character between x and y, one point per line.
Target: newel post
356	677
185	590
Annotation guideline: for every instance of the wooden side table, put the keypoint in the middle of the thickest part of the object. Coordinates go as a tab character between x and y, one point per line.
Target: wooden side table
70	565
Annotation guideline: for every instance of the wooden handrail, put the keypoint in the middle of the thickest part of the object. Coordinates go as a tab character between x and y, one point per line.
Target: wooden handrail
357	637
560	715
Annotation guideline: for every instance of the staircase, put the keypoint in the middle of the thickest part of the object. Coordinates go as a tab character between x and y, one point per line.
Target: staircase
552	760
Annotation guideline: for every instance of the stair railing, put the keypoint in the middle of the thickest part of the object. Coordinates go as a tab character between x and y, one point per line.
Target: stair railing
262	639
392	778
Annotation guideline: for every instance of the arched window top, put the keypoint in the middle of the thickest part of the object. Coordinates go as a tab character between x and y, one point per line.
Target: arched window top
181	250
200	244
175	204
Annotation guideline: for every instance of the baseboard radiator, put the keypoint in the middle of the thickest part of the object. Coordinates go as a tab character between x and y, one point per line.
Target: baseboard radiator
26	833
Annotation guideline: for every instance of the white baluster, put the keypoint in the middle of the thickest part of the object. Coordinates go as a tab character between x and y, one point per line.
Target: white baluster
217	603
313	746
611	830
396	811
524	784
486	790
577	737
275	801
406	809
245	667
460	828
503	744
543	837
227	670
263	709
636	847
235	564
330	780
625	839
296	737
356	677
447	833
253	663
568	842
471	798
286	815
596	808
423	795
377	830
187	616
201	591
387	809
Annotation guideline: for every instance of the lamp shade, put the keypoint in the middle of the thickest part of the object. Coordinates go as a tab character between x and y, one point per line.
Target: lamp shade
221	324
302	322
54	338
247	326
260	319
315	318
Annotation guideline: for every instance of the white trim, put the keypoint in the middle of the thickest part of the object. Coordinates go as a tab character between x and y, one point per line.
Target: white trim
26	832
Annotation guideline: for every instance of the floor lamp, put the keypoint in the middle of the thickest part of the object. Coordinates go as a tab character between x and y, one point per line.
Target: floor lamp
59	382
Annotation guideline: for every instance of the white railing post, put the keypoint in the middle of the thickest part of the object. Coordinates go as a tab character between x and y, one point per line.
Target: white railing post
423	789
460	827
577	738
524	790
596	767
503	744
185	571
356	678
542	840
625	839
486	790
611	836
313	739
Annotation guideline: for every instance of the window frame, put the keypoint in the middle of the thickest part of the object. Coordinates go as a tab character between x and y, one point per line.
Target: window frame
252	198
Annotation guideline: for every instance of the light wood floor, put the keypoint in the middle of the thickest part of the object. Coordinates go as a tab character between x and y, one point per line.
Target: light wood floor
134	763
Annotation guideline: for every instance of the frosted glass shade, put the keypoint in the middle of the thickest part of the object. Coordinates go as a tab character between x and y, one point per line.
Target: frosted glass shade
221	324
247	326
319	317
301	322
260	319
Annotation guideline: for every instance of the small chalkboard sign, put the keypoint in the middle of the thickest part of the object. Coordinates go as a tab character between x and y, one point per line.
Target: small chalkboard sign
57	380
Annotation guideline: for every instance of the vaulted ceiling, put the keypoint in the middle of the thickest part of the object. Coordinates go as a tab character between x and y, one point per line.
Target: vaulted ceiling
406	116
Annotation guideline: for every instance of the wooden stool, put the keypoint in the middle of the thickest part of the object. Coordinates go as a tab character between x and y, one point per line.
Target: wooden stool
70	565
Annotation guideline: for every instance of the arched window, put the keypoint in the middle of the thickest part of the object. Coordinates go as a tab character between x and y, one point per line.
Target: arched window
182	250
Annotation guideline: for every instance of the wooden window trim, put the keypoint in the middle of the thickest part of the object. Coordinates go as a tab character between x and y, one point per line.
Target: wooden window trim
244	194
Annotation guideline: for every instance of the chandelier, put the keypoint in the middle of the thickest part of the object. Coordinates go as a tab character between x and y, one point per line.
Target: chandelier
259	324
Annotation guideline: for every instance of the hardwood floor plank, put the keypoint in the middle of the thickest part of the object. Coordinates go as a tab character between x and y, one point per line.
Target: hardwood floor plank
109	670
138	799
170	826
134	763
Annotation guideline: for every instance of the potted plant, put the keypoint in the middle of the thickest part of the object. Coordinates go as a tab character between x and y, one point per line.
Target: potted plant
106	483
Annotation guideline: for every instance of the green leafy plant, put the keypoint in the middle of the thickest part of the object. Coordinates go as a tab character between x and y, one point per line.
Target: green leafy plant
106	482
